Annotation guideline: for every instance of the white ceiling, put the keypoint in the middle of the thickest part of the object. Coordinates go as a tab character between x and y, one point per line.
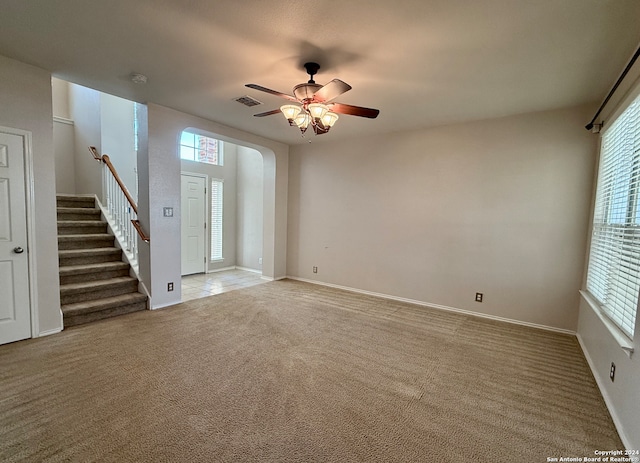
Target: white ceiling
421	62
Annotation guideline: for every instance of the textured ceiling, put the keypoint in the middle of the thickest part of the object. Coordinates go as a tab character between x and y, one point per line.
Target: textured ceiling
421	62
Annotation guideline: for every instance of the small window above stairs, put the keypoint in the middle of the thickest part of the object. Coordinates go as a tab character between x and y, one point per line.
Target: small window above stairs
95	282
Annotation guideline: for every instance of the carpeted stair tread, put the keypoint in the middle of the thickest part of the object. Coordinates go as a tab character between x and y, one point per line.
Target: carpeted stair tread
80	252
97	289
80	223
85	241
75	201
87	236
80	308
80	210
91	268
97	285
78	213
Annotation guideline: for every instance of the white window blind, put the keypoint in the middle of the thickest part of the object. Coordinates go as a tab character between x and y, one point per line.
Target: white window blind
216	219
613	277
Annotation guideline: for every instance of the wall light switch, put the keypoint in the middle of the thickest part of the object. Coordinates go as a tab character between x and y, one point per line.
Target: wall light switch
167	211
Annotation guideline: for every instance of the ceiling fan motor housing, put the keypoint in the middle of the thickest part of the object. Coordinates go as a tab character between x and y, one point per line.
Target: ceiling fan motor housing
305	91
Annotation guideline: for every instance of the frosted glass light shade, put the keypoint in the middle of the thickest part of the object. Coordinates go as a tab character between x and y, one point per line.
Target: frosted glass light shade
317	110
290	111
302	120
329	119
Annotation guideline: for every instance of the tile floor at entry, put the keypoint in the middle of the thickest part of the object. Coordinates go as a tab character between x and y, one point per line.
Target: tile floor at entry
208	284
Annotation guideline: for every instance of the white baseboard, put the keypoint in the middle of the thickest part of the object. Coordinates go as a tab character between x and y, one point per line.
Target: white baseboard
438	306
605	395
223	269
49	332
247	269
162	306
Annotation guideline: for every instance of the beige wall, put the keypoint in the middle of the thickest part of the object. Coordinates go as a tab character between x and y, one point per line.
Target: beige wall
249	209
84	107
25	103
498	206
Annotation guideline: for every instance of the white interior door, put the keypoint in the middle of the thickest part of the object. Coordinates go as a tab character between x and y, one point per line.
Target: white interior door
193	224
15	309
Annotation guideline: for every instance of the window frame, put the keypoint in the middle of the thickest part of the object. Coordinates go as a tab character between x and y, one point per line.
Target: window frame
216	234
184	146
614	251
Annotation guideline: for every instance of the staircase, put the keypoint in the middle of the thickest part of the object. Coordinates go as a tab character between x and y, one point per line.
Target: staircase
95	283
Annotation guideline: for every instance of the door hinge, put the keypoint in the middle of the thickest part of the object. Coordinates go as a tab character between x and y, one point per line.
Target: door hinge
205	225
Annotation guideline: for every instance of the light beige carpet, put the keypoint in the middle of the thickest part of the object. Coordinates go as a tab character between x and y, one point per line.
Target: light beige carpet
288	371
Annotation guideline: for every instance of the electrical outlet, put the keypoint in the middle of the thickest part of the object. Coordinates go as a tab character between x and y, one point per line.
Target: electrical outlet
170	286
479	297
612	372
315	269
260	260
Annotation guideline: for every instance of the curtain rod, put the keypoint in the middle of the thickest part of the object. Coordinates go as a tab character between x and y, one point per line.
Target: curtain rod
589	126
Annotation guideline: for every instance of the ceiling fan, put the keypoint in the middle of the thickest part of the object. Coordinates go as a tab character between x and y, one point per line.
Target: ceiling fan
315	106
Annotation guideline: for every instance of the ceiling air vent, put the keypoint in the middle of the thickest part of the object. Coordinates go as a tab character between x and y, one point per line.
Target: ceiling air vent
247	101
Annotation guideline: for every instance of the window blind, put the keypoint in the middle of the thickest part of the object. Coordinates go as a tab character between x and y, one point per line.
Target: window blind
216	219
613	276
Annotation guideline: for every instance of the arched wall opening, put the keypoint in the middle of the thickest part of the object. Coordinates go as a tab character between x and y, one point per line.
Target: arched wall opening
159	180
222	204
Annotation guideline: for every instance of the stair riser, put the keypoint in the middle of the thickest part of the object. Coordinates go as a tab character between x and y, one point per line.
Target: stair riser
82	229
89	243
89	215
84	203
94	294
99	315
93	276
90	259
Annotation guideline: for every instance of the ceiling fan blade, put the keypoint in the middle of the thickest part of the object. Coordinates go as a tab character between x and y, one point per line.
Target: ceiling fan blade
273	92
268	113
341	108
332	90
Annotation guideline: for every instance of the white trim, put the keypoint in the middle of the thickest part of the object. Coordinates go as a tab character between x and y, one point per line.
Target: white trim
623	341
168	304
63	120
437	306
220	269
263	277
29	187
50	332
605	395
31	232
247	269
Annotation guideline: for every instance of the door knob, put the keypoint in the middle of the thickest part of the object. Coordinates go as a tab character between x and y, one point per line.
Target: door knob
18	250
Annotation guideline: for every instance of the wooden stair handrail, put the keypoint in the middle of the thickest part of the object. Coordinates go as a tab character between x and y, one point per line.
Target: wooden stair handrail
138	227
132	203
107	161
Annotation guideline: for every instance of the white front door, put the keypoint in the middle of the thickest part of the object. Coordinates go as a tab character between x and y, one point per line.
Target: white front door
15	309
193	224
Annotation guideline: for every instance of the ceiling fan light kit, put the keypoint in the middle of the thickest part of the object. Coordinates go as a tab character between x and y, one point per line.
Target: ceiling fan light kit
314	107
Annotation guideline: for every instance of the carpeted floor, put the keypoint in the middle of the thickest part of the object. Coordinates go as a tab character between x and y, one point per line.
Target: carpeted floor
288	371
